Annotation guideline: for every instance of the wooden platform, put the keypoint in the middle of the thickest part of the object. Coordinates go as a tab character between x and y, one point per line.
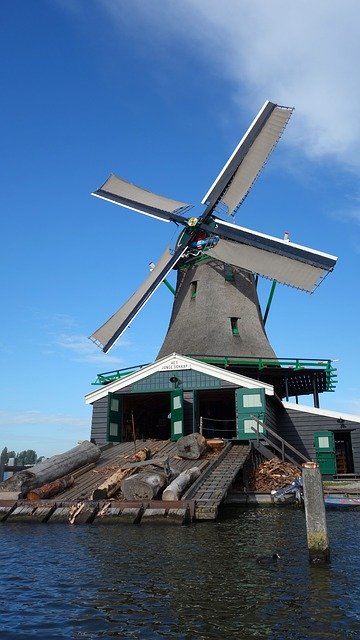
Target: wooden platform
74	505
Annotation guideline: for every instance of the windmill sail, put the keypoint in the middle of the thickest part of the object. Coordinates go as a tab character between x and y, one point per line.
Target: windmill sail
204	317
291	268
235	180
112	329
127	194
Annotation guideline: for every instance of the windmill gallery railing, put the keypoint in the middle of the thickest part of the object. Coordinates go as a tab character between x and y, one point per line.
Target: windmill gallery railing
295	364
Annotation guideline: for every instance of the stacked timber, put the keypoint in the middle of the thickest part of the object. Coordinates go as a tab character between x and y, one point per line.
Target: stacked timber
272	475
49	470
51	488
177	487
111	485
145	485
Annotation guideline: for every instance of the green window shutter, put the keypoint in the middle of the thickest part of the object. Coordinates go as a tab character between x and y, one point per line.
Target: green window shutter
249	402
177	414
114	418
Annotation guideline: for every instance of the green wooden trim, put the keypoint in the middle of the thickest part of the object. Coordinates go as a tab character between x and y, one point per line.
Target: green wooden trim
249	403
177	414
114	418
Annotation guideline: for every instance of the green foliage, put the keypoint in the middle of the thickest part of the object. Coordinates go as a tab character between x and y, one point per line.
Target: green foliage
28	456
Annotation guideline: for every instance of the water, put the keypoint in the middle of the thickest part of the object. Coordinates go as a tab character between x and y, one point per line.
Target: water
166	581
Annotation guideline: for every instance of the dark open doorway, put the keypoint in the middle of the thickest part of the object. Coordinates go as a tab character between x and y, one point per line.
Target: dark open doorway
216	411
343	452
150	412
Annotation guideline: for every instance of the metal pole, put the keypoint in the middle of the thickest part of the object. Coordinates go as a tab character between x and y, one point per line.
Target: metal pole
201	425
271	295
133	430
316	529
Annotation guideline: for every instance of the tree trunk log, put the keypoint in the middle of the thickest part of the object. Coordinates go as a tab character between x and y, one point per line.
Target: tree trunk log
143	486
177	487
50	489
192	446
107	488
52	468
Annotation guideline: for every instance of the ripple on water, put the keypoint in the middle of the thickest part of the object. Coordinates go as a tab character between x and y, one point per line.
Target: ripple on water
197	582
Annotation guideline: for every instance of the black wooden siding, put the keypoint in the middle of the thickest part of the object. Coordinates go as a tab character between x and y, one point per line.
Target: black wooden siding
188	412
99	420
270	416
298	428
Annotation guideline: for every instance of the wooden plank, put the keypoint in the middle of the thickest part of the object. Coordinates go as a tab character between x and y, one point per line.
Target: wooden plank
178	516
85	514
6	510
61	514
107	514
43	513
131	515
153	515
21	513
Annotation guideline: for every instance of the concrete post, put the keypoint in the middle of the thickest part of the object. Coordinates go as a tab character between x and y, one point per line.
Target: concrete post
317	538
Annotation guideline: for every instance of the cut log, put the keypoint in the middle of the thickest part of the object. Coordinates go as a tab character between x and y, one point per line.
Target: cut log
50	489
177	487
143	486
215	443
52	468
192	446
143	454
107	488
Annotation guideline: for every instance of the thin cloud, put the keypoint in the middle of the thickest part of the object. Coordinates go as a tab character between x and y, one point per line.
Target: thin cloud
8	418
84	350
301	53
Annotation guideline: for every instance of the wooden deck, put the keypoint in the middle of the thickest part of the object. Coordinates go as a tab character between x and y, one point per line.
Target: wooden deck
74	505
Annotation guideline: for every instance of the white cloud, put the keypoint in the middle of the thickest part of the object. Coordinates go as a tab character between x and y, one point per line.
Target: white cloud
301	54
85	350
8	418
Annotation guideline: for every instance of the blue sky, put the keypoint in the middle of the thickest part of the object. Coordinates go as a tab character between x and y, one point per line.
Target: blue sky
160	93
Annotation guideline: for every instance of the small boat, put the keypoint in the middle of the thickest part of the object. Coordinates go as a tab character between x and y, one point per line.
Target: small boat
338	502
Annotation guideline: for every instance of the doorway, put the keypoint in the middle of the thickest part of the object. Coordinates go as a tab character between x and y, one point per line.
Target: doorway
343	452
216	413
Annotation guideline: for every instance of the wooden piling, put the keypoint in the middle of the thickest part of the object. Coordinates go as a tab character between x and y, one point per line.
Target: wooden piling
317	538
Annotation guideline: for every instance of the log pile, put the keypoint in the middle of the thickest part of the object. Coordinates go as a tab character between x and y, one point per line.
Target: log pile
51	469
272	475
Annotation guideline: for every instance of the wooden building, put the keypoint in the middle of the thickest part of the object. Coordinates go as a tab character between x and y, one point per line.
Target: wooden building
177	395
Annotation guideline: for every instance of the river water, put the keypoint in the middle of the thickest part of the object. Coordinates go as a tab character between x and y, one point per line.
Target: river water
166	581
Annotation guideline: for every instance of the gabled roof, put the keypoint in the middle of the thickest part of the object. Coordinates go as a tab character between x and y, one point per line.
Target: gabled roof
176	362
339	415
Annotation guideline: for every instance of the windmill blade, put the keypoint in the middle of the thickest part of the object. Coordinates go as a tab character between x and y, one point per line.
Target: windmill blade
280	260
235	180
126	194
112	329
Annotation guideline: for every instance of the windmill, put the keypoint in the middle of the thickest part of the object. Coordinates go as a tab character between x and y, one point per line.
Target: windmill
216	309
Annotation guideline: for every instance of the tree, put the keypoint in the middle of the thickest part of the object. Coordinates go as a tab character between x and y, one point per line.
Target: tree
29	456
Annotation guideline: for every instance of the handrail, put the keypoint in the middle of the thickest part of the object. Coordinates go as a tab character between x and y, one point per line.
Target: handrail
283	442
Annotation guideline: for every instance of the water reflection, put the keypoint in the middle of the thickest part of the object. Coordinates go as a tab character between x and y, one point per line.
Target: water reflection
158	581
